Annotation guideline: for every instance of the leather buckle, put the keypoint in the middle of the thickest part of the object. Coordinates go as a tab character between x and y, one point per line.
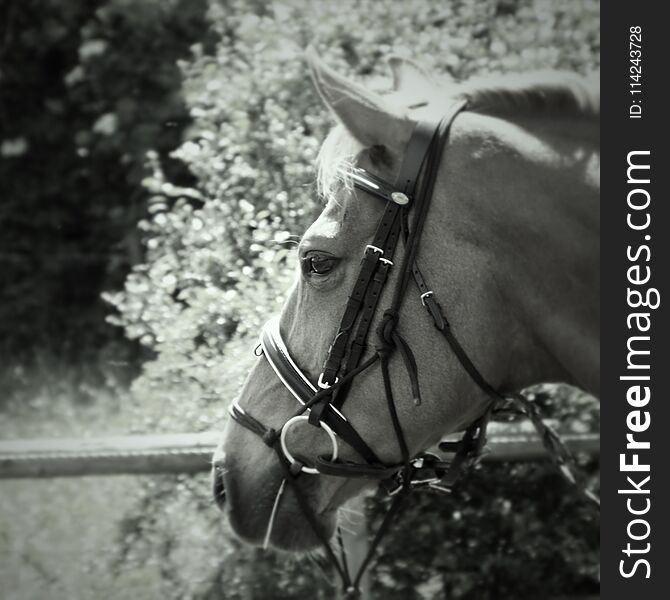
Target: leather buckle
425	295
323	385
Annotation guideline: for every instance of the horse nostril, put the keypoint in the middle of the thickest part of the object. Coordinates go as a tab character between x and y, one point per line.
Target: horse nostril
218	488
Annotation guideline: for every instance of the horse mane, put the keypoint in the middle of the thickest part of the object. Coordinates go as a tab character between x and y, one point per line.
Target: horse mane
541	92
554	92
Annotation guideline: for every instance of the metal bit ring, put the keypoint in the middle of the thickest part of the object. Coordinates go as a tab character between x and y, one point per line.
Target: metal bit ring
287	453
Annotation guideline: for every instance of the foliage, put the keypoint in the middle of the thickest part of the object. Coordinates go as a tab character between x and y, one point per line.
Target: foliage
216	259
216	252
507	531
86	88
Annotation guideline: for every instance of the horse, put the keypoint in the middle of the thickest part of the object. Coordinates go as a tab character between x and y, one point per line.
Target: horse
510	244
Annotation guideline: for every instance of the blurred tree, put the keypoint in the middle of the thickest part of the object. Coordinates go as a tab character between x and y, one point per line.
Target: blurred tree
86	88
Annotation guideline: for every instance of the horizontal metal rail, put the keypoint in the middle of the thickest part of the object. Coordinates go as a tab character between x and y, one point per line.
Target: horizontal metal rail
192	452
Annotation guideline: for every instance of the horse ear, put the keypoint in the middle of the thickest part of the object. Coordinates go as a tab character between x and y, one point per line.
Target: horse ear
369	118
412	85
408	75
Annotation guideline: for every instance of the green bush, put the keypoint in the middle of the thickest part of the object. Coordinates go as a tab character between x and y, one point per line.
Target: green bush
218	260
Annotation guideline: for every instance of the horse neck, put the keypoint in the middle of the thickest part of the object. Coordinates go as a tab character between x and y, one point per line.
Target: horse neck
518	257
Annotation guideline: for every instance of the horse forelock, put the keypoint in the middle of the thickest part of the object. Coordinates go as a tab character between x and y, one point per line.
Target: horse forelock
336	156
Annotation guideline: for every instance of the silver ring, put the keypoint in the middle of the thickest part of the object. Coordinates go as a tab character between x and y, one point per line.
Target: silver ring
289	456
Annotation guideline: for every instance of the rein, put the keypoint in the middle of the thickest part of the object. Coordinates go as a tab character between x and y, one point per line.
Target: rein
322	404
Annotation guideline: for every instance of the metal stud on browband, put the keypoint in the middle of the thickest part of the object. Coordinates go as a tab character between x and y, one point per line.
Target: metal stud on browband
287	453
400	198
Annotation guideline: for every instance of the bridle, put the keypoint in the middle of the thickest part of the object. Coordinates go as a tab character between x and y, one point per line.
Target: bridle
321	403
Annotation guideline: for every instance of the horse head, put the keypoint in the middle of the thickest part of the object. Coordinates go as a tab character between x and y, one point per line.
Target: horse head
462	253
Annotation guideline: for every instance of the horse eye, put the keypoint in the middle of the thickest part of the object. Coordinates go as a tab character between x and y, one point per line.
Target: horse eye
318	264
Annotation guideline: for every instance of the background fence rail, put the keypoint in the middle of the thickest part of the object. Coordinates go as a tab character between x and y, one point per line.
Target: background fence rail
192	452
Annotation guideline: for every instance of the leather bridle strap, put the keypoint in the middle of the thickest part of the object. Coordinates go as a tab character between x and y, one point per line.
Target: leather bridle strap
371	281
384	242
433	161
422	156
361	306
417	152
427	142
369	306
304	391
406	182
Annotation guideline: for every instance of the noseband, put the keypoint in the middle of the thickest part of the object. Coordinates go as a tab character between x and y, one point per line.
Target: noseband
322	401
